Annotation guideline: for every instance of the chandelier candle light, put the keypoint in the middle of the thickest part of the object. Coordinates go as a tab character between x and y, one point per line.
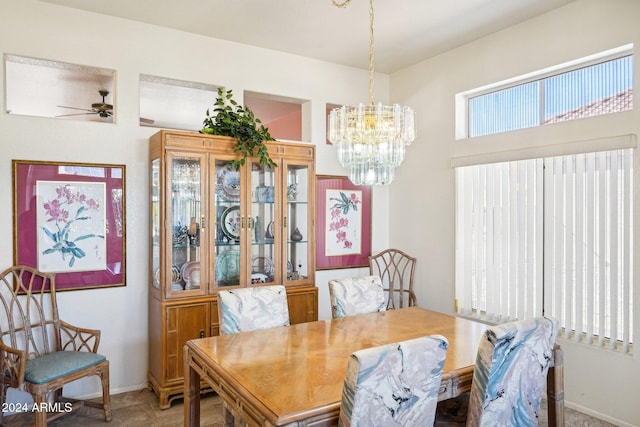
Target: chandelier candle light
371	139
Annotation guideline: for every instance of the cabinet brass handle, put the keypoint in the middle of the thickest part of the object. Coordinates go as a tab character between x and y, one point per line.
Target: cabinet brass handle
241	222
203	222
285	222
201	333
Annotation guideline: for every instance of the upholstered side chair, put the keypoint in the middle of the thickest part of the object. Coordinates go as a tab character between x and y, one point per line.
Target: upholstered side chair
358	295
394	384
396	269
248	309
511	371
41	353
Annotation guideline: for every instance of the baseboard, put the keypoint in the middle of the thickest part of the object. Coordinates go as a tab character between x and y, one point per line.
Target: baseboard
112	391
596	414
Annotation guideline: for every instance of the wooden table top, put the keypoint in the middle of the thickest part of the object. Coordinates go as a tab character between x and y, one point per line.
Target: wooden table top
300	368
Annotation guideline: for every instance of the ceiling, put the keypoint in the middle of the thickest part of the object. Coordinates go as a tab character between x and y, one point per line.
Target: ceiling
406	31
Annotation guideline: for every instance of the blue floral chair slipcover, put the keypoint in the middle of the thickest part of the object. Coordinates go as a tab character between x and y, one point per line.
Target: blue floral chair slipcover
358	295
510	373
394	384
247	309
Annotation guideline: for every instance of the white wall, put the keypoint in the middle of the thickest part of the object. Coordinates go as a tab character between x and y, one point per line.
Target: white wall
42	30
422	197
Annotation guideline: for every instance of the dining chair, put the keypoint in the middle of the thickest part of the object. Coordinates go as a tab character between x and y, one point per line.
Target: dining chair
510	374
248	309
357	295
394	384
396	269
40	353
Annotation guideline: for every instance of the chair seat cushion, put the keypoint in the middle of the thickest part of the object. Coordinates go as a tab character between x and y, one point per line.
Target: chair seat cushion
58	364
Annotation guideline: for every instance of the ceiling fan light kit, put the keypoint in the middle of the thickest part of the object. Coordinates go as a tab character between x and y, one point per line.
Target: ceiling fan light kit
102	109
371	140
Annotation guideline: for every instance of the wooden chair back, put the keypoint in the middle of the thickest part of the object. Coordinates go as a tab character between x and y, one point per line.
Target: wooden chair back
396	269
28	312
39	352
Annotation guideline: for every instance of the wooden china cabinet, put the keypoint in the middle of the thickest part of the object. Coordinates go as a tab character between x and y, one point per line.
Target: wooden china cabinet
214	227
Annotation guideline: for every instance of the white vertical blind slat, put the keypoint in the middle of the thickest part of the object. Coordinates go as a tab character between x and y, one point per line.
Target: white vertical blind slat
579	245
528	305
601	159
558	241
590	231
513	252
626	234
613	226
491	289
517	308
503	214
478	278
569	239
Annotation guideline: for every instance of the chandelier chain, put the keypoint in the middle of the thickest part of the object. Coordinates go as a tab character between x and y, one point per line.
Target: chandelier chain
345	3
370	52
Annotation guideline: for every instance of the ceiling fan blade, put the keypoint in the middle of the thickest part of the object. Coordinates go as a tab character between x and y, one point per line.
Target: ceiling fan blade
73	108
78	114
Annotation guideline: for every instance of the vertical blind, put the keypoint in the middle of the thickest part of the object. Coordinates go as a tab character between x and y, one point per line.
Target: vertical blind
499	240
588	230
549	236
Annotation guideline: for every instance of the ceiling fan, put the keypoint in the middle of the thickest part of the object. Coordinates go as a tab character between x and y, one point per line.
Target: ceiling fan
102	109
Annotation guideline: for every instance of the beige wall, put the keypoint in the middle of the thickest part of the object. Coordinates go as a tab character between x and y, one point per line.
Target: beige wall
422	198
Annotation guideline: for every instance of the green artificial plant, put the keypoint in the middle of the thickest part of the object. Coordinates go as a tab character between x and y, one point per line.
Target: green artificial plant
231	119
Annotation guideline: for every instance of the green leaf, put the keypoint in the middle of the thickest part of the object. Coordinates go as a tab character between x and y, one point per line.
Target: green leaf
231	119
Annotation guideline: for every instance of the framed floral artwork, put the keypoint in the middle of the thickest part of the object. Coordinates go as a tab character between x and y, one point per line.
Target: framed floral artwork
343	223
69	219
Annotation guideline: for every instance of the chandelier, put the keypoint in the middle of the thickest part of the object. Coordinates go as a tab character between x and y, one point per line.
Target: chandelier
371	139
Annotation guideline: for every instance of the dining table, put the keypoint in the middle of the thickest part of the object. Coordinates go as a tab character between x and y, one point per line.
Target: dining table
293	375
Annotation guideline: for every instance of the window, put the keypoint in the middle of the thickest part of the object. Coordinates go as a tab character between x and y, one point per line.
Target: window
590	88
549	235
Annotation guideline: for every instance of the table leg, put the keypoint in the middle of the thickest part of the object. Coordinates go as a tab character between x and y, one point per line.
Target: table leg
191	392
555	389
229	418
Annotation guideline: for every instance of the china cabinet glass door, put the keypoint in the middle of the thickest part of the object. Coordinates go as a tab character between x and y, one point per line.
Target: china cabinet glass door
155	222
263	225
229	224
187	242
297	221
